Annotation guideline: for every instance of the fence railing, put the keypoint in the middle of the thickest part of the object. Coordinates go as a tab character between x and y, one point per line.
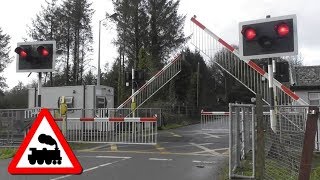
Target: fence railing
282	152
214	120
14	122
241	140
111	130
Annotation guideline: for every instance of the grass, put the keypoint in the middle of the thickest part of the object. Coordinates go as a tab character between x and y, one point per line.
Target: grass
80	146
174	125
315	173
275	170
6	153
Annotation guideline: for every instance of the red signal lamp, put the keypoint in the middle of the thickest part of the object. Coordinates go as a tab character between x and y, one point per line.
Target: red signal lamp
43	51
282	29
249	33
22	53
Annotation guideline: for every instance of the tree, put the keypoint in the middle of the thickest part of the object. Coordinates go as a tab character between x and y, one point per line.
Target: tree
166	29
69	24
17	97
228	88
4	57
89	78
132	26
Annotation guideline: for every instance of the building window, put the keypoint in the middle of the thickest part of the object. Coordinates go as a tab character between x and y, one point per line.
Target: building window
314	98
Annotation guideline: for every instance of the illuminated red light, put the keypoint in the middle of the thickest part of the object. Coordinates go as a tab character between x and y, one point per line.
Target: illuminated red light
249	33
22	53
282	29
43	51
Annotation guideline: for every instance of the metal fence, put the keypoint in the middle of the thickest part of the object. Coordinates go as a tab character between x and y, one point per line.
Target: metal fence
214	120
112	130
12	125
15	122
241	140
283	147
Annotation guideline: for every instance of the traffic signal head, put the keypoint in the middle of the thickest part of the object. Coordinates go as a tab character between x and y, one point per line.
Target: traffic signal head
36	56
270	37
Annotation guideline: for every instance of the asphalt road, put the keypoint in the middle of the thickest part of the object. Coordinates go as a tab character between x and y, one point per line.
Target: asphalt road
185	153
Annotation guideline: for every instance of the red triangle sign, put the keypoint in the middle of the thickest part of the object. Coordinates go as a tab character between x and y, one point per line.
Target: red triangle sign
44	150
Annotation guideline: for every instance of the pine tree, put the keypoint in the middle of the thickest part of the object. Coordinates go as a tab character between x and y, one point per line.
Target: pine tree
166	29
4	57
69	24
132	28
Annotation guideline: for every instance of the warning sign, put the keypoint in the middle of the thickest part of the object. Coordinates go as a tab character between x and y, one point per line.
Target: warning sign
44	150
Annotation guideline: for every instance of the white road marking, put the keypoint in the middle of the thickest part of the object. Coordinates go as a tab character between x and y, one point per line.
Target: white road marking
92	168
196	161
204	162
205	149
110	157
158	159
95	148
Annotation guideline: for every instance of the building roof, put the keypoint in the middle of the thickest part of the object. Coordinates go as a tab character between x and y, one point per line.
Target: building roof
306	77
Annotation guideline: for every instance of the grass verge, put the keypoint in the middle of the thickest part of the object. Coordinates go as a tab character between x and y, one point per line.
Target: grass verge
80	146
6	153
275	170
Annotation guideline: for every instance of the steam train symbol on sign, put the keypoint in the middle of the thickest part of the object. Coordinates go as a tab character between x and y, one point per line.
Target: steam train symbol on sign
44	155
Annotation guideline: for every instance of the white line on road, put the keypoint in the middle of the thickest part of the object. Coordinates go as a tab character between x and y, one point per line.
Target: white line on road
158	159
92	168
204	162
205	149
110	157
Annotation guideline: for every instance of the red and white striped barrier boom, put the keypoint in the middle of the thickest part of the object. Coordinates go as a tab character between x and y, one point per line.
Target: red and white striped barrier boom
250	63
155	83
115	119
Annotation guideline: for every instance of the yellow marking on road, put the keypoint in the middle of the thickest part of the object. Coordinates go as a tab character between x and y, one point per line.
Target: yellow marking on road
95	148
114	147
175	135
162	150
144	152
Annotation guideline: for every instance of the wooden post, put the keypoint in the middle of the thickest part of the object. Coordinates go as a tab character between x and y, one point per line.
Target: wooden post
260	145
308	143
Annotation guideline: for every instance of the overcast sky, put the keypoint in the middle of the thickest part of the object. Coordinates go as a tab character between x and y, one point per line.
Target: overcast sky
221	17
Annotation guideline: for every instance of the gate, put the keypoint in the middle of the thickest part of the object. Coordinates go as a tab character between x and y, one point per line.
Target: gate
118	130
241	140
214	120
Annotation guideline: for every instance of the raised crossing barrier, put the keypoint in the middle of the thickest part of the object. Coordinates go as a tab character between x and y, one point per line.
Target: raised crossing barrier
247	72
154	84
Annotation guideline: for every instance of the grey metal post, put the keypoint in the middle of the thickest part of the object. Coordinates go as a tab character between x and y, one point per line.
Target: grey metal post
132	91
237	136
244	132
260	163
273	121
253	129
198	71
39	89
99	42
230	141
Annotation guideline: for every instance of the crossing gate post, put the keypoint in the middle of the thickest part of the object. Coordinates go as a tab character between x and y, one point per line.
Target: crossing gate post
308	143
260	159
